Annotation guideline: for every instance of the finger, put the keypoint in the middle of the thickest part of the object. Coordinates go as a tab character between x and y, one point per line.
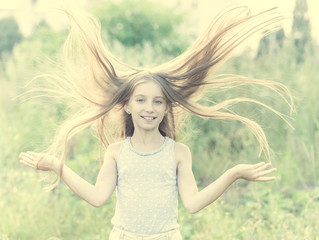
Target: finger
34	154
266	172
24	156
257	165
265	179
28	160
30	156
27	163
263	166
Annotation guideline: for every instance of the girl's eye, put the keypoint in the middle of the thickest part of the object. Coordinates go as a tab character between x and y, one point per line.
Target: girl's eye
158	102
139	100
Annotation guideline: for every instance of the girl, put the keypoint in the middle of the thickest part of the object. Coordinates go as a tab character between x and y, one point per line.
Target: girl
147	167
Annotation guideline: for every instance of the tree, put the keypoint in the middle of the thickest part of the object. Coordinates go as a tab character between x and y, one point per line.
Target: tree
135	23
9	34
31	53
301	30
271	44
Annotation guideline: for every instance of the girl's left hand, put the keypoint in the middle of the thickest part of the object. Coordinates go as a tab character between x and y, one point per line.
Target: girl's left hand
254	172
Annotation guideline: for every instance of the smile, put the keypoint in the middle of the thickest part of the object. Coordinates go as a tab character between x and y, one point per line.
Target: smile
148	117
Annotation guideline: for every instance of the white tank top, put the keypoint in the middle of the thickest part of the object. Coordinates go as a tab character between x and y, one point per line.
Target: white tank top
146	189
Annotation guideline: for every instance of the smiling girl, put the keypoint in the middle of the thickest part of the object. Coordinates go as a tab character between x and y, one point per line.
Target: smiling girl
148	167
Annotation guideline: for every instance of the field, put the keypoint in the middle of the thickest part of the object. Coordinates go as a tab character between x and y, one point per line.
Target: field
286	209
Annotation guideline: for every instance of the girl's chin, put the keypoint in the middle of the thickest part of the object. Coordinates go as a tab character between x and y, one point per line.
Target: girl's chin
147	127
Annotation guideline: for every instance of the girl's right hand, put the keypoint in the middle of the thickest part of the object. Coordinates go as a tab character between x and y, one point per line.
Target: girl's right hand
40	161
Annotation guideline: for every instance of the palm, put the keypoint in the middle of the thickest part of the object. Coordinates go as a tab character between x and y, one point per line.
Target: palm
255	172
38	161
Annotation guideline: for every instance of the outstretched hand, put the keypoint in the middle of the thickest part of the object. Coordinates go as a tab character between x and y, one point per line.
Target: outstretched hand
255	172
40	161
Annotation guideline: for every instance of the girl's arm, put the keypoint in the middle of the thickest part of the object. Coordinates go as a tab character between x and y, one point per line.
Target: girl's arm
97	194
194	200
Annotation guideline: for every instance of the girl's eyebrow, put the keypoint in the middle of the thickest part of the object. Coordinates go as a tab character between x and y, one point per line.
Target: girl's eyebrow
141	95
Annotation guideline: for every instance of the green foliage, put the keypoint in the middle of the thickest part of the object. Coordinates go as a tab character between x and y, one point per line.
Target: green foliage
9	34
301	30
31	56
135	23
45	41
43	215
255	212
271	44
217	145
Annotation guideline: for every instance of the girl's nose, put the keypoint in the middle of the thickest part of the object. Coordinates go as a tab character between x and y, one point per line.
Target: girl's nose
149	107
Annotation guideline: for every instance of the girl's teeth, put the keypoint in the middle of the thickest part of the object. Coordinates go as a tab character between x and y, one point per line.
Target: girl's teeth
149	118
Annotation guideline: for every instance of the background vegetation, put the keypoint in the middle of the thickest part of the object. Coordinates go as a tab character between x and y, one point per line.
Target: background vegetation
285	209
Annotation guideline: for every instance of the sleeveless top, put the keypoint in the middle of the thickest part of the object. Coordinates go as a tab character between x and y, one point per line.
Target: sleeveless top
146	190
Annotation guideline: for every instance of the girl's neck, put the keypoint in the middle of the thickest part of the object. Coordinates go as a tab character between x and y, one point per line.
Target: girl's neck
145	141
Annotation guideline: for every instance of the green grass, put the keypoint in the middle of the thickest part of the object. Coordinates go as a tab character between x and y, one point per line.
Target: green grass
256	211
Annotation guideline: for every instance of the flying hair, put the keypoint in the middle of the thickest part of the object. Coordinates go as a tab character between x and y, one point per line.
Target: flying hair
103	84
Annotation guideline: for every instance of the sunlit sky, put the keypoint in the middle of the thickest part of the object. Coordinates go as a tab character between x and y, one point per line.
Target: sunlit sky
206	9
286	7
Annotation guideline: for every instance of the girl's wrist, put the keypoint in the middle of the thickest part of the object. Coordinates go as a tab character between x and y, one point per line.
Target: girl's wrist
233	173
58	167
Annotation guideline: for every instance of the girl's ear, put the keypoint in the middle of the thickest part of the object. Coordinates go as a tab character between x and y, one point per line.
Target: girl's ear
126	109
167	109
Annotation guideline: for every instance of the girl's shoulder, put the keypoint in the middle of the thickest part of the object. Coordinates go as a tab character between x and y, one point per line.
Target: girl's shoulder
181	147
114	149
182	152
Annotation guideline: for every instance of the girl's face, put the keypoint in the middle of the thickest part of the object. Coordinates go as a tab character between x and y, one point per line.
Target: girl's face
147	106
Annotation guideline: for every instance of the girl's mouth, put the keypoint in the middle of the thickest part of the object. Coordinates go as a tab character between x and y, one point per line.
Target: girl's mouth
148	117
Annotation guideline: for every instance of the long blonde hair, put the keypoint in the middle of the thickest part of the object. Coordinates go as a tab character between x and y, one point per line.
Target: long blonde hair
104	84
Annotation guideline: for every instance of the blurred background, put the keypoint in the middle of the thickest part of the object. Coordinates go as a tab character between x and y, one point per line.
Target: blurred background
146	32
